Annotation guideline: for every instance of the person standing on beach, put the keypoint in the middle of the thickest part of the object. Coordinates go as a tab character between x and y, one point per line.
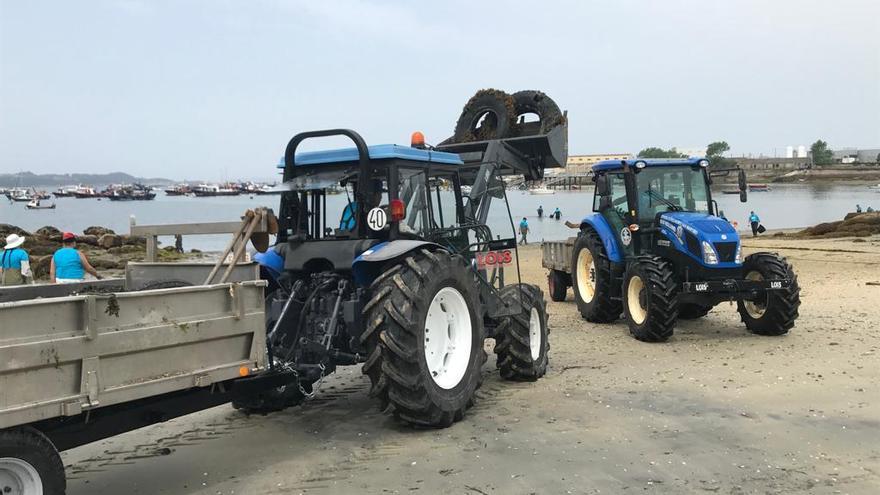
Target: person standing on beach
540	212
755	222
69	265
524	230
15	266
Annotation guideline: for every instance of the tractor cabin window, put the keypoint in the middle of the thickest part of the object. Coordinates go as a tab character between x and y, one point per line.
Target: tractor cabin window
679	188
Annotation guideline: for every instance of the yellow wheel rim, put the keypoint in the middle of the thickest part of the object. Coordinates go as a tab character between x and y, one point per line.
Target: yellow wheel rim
586	275
637	312
755	309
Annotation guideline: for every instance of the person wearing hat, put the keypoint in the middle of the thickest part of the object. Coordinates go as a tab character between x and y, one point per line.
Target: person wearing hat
15	265
68	264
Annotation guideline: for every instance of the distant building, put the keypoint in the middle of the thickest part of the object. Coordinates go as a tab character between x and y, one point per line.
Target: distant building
581	164
792	163
855	155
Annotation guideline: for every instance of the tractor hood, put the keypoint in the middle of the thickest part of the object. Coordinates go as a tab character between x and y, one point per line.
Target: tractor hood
688	231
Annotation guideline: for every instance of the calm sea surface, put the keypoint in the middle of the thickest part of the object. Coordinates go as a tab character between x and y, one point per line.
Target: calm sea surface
786	206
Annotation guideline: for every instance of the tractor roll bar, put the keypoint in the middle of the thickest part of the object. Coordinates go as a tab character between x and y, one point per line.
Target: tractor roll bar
363	163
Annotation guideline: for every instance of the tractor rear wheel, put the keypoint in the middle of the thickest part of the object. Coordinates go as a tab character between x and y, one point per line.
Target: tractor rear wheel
591	279
650	304
521	341
424	336
775	313
557	284
692	311
29	464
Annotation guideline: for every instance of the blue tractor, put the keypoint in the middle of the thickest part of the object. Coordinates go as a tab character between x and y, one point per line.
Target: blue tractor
656	249
385	258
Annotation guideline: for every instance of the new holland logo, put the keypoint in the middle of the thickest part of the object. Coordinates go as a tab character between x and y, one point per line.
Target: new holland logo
625	236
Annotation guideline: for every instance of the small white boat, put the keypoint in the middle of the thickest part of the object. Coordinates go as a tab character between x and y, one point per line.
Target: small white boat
876	187
541	190
35	205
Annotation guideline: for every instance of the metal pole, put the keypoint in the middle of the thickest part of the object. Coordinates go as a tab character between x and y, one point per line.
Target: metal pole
255	220
235	236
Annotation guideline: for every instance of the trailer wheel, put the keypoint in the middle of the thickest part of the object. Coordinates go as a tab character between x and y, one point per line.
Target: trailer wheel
776	312
29	464
424	336
536	102
591	279
650	304
557	284
521	341
692	311
489	114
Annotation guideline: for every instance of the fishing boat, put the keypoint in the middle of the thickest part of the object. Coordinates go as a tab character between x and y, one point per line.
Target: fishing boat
178	190
135	192
208	190
34	204
63	192
85	192
19	194
875	187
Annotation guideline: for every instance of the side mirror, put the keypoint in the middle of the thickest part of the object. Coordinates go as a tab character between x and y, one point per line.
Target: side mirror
743	185
743	196
602	188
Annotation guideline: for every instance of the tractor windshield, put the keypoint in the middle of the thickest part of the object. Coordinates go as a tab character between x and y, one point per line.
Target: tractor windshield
661	189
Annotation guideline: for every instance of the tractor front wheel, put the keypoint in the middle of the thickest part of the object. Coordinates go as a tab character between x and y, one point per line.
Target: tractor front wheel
591	279
424	336
775	312
521	341
649	299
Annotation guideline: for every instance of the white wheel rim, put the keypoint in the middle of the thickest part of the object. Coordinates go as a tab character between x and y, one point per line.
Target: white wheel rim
535	334
586	275
754	310
448	337
637	312
19	477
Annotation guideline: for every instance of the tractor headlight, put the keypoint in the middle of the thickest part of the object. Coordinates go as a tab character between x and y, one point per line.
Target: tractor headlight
710	257
704	163
739	254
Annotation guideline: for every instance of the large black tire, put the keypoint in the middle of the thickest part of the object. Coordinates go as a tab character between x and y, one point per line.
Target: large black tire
536	102
557	285
396	336
777	313
650	302
498	109
692	311
23	447
591	279
522	340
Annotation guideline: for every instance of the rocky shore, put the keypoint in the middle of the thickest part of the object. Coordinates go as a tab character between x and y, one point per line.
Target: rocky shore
107	251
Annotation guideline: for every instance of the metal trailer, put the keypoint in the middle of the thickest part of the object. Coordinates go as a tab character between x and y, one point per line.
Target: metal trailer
556	257
83	362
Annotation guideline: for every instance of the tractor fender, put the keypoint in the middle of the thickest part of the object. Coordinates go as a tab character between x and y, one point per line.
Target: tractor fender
608	236
365	268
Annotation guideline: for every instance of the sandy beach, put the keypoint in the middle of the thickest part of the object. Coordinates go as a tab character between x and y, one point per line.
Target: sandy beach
714	410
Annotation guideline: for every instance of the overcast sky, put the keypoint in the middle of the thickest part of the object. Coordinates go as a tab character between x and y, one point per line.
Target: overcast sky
215	89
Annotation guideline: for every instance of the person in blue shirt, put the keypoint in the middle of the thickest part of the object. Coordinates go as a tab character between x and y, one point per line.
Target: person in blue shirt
557	213
524	231
15	267
68	264
755	222
540	212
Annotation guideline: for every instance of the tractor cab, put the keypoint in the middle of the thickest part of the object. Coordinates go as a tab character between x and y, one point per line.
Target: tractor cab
667	204
340	203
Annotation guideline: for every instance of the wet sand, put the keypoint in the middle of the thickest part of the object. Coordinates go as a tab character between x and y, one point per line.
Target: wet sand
714	410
